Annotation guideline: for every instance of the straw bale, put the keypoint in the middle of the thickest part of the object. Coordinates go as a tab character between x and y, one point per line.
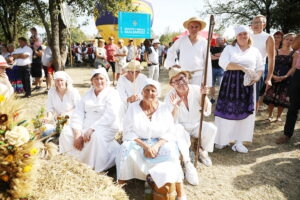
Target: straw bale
62	177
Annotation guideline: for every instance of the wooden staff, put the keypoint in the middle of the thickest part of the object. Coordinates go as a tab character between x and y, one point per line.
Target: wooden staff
210	32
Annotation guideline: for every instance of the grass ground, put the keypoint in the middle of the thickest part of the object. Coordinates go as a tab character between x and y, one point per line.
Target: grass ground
267	172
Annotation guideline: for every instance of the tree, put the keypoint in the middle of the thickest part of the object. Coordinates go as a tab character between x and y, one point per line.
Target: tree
53	12
15	18
242	12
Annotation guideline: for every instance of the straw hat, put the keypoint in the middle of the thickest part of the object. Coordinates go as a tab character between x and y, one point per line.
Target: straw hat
194	19
134	65
174	71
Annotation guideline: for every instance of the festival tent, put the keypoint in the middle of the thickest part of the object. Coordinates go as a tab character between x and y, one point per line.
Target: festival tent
202	33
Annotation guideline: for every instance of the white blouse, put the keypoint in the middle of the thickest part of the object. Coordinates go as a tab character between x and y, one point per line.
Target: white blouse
250	58
126	88
102	110
64	106
138	125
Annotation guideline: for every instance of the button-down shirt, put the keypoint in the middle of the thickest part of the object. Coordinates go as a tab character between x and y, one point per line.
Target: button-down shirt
23	61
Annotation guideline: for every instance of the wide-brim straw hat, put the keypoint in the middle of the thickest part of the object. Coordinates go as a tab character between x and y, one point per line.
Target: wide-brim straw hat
174	71
194	19
133	65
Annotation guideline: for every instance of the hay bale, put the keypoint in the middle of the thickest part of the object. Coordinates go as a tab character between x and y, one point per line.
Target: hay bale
62	177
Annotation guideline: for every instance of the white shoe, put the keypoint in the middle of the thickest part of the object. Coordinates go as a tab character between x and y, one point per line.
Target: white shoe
218	146
191	174
239	148
181	198
205	159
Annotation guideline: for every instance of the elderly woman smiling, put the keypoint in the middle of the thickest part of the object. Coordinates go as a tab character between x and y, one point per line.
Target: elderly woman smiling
61	99
90	136
149	146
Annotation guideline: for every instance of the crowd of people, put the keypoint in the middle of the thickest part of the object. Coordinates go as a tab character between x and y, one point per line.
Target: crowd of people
254	69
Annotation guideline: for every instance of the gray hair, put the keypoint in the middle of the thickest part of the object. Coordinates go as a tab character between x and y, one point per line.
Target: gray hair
262	17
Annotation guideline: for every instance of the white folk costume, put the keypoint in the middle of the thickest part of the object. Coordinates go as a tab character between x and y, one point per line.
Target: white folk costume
121	60
235	113
131	162
188	121
5	87
191	58
99	113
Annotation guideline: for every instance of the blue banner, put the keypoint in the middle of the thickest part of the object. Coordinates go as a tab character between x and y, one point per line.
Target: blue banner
134	25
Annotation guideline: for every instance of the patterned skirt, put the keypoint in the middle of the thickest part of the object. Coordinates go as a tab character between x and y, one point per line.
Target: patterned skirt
235	101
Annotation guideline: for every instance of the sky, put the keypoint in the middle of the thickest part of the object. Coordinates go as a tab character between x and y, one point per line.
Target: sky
168	14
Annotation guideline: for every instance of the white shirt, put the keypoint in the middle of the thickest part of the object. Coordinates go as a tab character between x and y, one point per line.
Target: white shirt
192	56
260	42
131	50
138	125
153	57
250	58
23	50
122	59
65	106
126	88
102	110
189	118
101	51
47	56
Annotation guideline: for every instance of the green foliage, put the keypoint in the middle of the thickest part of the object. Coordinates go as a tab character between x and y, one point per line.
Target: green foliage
77	35
280	14
167	37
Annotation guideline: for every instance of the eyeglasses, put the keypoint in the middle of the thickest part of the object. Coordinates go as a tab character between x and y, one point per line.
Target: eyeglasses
182	78
256	23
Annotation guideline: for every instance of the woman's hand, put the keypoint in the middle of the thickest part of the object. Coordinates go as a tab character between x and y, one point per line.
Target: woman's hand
78	142
205	90
148	153
133	98
87	135
280	78
154	149
175	100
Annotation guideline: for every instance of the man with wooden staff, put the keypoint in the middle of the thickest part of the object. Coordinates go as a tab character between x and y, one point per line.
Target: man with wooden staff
192	52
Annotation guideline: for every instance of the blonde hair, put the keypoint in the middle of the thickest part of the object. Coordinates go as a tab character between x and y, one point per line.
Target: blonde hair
250	42
289	34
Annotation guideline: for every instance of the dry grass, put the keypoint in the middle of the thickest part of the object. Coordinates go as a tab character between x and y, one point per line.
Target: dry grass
267	172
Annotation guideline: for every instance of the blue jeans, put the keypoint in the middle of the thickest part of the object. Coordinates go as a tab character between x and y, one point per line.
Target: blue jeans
217	76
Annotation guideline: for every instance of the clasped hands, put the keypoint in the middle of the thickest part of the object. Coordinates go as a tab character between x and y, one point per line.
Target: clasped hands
151	151
79	139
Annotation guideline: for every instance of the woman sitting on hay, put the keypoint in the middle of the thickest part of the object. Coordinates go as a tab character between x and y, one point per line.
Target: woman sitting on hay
93	125
149	146
61	100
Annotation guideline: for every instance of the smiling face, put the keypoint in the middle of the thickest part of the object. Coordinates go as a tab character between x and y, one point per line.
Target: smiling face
150	93
243	38
194	28
131	75
99	81
60	84
180	83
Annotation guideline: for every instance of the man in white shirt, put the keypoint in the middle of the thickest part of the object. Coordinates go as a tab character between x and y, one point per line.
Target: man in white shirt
265	43
132	51
152	58
23	58
192	50
121	57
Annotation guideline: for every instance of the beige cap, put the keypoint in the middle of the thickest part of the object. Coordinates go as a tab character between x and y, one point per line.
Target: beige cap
174	71
134	65
194	19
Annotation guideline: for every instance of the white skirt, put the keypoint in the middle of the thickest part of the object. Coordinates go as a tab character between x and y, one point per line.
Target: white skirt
98	153
131	164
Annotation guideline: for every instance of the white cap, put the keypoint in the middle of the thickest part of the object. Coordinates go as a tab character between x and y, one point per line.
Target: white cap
154	83
156	41
63	75
240	29
103	72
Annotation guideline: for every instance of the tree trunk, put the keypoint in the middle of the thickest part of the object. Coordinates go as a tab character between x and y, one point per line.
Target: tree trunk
63	37
54	10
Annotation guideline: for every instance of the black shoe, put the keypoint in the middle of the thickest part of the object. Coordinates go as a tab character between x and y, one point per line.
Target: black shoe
38	88
213	101
26	96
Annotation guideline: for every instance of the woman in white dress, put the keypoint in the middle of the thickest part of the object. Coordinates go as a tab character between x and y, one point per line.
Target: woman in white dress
235	114
149	145
5	87
90	137
61	100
